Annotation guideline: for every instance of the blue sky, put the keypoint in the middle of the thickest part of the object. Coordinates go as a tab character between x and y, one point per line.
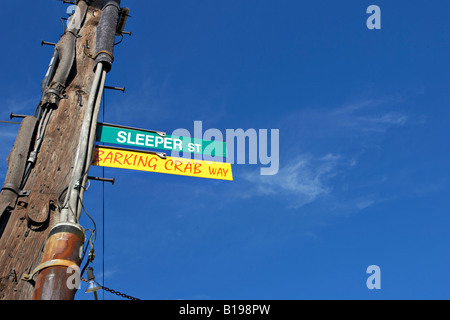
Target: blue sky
363	119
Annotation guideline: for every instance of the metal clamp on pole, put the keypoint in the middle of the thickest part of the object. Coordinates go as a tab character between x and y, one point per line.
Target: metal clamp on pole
48	264
124	13
50	207
16	190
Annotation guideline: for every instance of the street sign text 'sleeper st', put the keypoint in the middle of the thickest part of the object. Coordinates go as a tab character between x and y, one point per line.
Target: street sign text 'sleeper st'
132	137
152	162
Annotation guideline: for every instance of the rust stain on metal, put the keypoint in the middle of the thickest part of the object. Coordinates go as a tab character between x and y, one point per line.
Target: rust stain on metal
64	246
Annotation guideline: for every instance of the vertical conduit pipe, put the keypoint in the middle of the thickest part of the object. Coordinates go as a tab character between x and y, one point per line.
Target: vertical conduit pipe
69	212
91	143
106	31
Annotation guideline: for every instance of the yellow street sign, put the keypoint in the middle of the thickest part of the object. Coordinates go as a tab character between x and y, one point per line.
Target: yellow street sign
150	161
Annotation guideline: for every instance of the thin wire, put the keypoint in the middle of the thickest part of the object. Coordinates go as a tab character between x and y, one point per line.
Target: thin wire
103	226
103	209
84	253
64	25
12	122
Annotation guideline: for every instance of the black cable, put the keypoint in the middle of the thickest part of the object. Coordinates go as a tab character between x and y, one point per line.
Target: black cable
43	122
84	253
121	39
91	242
58	200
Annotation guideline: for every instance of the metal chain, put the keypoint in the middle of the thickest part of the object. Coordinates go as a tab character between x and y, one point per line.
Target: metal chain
123	295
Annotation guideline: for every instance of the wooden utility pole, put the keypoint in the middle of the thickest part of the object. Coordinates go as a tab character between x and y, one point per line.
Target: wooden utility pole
41	199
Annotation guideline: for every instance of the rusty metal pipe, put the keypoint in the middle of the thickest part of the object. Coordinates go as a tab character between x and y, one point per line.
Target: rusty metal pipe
63	250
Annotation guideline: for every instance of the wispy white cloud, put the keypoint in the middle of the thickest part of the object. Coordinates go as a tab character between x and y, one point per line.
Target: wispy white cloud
369	116
8	134
108	273
307	178
366	116
303	180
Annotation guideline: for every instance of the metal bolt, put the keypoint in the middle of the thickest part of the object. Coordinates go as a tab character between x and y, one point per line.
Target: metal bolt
12	116
47	43
103	179
115	88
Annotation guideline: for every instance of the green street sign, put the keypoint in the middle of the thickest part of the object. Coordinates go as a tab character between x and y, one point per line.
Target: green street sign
132	137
